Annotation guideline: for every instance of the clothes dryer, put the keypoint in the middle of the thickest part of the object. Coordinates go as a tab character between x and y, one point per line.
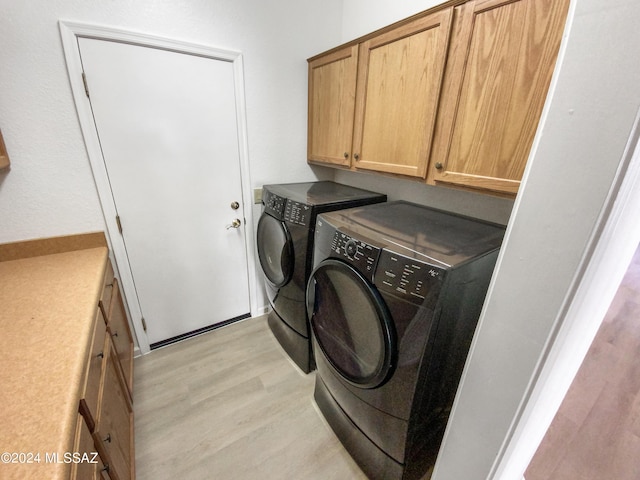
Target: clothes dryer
393	302
285	248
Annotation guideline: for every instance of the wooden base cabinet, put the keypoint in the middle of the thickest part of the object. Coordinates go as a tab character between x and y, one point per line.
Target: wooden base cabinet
118	327
94	468
106	406
113	435
453	95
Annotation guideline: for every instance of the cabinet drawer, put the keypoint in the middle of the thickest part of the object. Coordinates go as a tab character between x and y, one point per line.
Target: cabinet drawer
107	289
121	335
90	400
86	469
114	431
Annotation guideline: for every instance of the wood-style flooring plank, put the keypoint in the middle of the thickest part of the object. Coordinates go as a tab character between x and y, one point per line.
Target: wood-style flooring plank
229	404
596	433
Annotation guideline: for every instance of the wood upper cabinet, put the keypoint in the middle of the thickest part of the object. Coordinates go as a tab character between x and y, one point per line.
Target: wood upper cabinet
453	95
373	105
496	85
399	78
332	91
4	156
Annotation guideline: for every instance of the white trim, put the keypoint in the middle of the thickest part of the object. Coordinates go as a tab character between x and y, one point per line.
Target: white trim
261	311
612	245
70	32
247	190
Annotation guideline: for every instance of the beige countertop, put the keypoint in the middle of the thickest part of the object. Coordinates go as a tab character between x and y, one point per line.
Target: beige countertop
48	304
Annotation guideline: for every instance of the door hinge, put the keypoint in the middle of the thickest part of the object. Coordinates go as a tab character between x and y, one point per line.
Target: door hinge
144	324
119	224
86	85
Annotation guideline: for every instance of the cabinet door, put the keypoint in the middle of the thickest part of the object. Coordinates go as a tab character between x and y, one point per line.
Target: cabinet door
496	84
399	81
114	433
107	290
90	400
332	90
121	334
84	446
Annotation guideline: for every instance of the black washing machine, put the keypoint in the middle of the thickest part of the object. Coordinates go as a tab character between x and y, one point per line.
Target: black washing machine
285	249
393	302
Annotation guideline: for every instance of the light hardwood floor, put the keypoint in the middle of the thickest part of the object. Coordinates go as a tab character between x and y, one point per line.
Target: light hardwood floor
229	405
596	433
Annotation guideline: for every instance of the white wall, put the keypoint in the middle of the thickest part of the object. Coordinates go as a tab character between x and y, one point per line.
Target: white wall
49	189
364	16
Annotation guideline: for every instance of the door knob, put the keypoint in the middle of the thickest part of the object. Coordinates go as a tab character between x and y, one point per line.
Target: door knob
235	223
235	205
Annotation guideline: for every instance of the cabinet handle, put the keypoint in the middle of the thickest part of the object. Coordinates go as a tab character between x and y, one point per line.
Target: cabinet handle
346	155
100	355
115	334
107	438
105	468
439	165
356	156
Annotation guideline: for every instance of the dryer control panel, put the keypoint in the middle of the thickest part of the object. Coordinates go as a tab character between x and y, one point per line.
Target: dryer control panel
407	277
273	204
298	213
358	253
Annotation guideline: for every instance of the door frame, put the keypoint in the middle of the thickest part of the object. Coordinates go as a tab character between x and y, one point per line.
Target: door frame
70	32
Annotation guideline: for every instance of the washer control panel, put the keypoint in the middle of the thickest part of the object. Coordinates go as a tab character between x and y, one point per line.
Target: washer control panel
358	253
273	204
407	277
298	213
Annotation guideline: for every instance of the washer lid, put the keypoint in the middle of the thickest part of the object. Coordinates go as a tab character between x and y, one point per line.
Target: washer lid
321	193
433	236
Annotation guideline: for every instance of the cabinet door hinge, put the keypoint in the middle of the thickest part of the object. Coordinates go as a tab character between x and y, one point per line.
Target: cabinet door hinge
144	324
119	224
86	85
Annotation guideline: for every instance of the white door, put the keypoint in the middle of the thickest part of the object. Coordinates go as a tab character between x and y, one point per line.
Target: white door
167	127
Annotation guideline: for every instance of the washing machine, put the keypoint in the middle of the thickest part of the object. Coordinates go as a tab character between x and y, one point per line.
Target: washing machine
285	237
393	302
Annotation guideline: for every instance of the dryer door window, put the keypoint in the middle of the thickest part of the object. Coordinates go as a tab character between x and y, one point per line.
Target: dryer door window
275	250
351	324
